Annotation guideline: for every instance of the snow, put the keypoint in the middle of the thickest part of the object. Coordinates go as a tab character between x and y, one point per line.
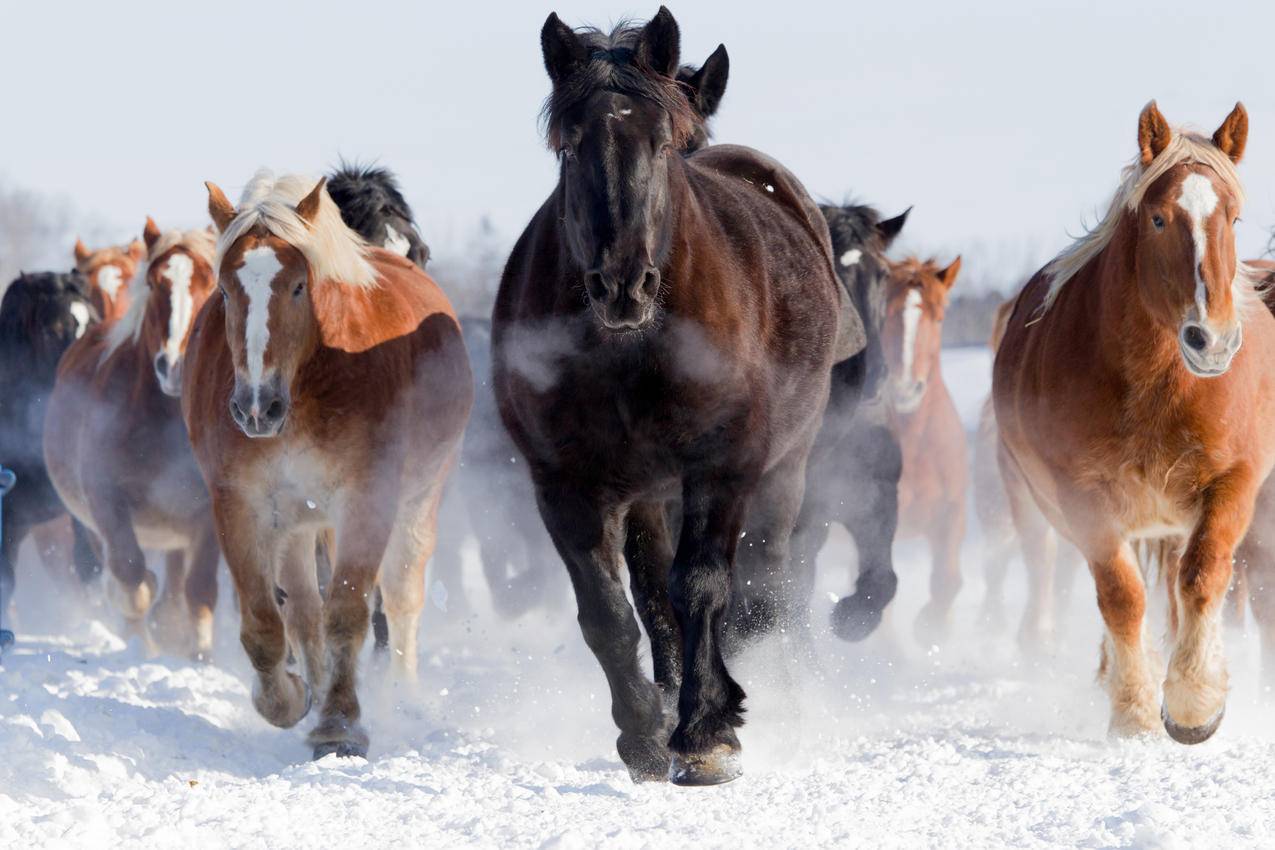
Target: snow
508	742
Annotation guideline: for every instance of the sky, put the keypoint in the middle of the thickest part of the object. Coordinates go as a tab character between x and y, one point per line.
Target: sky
1004	124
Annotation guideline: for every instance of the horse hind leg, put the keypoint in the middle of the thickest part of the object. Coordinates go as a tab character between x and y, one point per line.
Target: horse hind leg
201	589
169	619
301	606
1256	556
934	621
402	585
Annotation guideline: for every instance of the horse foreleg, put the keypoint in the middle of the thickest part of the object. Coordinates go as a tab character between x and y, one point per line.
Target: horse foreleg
134	588
1122	602
169	617
588	533
1256	556
934	621
648	551
302	605
1195	687
403	582
1039	546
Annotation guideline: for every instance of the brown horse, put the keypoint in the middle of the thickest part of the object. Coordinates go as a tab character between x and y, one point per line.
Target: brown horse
932	488
662	344
117	451
1128	410
109	271
327	389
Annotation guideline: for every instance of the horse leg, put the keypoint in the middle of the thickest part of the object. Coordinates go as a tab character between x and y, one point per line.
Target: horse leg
998	551
1125	668
588	533
302	605
648	551
1195	687
362	537
1068	564
1039	545
54	542
710	705
935	618
169	617
872	518
1256	556
88	566
201	588
403	582
281	697
134	587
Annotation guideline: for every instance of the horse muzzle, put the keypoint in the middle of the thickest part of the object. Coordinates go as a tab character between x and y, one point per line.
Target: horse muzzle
261	412
623	307
169	375
906	395
1208	354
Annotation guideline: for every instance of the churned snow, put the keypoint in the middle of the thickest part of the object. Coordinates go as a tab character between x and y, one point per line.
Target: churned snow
507	741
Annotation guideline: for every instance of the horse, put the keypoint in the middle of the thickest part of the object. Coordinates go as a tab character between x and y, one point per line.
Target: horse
853	475
928	427
327	391
705	87
1051	563
1134	402
117	450
109	271
373	206
41	315
664	330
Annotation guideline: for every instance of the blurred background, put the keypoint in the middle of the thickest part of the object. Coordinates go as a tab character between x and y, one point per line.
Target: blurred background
1004	124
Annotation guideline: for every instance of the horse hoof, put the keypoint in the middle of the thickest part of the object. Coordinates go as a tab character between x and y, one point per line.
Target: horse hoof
646	759
272	716
341	749
853	621
719	765
1191	734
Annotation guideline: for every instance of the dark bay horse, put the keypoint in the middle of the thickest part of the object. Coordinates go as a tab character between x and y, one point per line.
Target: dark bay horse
109	271
935	476
1135	401
665	330
373	206
117	451
327	391
41	315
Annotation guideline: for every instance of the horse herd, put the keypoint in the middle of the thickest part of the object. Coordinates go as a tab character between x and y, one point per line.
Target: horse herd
700	370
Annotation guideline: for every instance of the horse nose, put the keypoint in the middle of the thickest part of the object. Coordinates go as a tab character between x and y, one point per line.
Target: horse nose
1195	337
161	366
626	306
259	414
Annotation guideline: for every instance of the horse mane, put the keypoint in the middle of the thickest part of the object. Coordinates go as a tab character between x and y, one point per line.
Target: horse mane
333	251
1135	179
201	243
365	194
851	223
611	67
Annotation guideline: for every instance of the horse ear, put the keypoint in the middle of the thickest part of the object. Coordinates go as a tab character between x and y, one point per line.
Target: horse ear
659	44
308	209
948	275
1232	136
150	233
889	229
220	209
137	250
709	82
563	50
1154	133
82	253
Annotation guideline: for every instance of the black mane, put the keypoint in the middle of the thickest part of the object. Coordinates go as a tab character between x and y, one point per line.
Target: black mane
611	66
369	198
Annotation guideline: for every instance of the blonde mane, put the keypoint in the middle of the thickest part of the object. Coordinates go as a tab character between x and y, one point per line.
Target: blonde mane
1135	179
199	243
333	251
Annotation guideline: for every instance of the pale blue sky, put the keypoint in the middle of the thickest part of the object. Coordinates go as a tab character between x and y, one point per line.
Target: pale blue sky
1004	123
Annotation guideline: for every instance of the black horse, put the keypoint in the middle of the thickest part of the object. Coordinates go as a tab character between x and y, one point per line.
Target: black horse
41	315
372	205
705	87
665	330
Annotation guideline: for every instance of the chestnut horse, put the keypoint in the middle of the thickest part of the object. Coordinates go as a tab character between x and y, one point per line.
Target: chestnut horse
117	450
109	271
931	436
663	339
327	391
1128	410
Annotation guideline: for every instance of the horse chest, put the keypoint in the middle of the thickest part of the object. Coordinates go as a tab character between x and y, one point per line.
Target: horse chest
296	486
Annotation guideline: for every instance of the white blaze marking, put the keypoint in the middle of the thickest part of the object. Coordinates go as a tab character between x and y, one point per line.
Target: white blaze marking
911	318
396	242
851	257
1199	200
178	271
109	280
260	265
81	314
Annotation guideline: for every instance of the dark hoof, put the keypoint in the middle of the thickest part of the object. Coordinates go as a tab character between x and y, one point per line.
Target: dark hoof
1191	734
647	760
853	620
341	749
719	765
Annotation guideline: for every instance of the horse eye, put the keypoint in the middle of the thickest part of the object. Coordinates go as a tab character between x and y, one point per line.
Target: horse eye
1158	222
300	288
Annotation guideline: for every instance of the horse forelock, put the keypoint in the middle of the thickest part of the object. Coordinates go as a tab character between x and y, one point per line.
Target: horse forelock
611	66
332	250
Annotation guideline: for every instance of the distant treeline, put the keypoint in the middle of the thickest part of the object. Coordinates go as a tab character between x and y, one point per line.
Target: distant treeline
968	320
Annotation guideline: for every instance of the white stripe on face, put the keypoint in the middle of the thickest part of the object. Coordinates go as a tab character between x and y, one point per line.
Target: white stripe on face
260	265
911	319
109	279
396	242
178	271
851	257
1199	200
81	315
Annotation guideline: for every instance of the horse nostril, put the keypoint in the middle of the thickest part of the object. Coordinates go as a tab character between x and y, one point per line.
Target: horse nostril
595	286
236	412
1195	338
650	283
275	410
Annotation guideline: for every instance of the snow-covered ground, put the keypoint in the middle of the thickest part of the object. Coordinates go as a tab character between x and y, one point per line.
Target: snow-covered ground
509	743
